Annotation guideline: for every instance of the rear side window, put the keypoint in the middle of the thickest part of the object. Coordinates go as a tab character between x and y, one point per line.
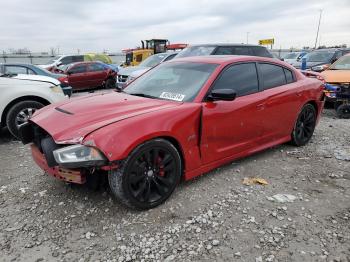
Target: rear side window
241	78
169	57
96	67
78	58
272	75
261	51
78	69
15	70
289	76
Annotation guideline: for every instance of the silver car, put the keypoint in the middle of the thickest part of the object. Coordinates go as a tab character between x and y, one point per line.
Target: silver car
127	74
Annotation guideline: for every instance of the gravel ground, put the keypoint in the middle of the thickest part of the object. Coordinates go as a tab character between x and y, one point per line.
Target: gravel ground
212	218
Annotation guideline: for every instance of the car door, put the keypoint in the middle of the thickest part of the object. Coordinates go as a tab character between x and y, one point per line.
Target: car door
77	76
282	94
231	127
97	74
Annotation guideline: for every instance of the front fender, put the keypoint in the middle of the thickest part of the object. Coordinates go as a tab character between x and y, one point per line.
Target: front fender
181	124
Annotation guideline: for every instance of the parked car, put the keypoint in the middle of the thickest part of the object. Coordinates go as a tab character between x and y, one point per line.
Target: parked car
69	59
127	74
85	75
29	69
225	49
178	120
22	95
320	59
294	57
337	77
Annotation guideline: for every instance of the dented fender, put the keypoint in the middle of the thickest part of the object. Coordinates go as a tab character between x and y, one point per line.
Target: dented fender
180	125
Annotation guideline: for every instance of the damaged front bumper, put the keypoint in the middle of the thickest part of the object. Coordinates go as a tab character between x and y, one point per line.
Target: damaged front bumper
68	175
43	146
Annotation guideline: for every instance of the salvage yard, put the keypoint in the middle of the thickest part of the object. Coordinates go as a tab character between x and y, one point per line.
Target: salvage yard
214	217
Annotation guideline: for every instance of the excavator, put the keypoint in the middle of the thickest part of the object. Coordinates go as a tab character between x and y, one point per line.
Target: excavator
134	57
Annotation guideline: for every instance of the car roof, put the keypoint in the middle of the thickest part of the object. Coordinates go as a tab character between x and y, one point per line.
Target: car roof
222	59
227	44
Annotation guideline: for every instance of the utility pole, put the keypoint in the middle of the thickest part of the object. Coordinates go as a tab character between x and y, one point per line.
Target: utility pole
247	37
318	27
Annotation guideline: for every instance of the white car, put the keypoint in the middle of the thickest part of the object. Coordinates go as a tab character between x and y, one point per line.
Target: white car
62	60
22	95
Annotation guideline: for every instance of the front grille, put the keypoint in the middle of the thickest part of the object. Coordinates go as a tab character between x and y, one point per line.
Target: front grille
122	78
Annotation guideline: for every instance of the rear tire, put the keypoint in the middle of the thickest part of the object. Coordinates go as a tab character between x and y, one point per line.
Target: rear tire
148	176
304	126
343	111
19	115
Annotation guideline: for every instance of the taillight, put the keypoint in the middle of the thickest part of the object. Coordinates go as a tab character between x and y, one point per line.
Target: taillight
63	79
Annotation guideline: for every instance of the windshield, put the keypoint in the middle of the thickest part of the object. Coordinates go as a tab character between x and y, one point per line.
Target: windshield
291	56
196	51
53	60
342	63
174	81
319	56
153	60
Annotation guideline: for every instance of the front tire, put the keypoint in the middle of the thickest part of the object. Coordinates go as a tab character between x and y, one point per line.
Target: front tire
304	126
19	115
148	176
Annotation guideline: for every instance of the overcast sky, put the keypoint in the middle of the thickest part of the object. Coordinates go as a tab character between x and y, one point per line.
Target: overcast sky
97	25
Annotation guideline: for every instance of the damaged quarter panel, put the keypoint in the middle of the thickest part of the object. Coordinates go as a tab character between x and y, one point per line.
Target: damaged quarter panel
180	125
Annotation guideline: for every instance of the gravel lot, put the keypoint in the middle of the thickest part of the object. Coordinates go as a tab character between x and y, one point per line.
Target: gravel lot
212	218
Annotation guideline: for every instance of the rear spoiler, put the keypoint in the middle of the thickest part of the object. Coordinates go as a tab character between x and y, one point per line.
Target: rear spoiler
312	74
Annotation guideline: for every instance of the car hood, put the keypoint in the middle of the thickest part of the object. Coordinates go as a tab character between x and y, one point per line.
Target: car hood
38	78
69	122
128	70
137	73
336	76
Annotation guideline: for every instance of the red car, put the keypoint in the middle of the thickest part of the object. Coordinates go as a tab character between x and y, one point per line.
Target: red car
86	75
178	120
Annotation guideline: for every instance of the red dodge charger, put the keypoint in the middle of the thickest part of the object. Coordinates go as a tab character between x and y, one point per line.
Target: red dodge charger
177	121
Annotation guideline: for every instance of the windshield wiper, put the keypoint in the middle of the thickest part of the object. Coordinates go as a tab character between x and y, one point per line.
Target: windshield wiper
142	95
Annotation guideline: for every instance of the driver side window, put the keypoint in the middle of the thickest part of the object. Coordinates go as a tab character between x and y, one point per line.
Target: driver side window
241	78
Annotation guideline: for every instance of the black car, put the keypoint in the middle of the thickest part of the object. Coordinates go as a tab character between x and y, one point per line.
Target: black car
225	49
29	69
320	59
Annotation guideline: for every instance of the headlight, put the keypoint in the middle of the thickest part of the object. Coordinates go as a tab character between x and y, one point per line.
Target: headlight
79	156
56	89
130	79
319	68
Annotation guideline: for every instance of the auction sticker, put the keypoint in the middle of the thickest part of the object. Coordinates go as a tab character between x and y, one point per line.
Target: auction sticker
172	96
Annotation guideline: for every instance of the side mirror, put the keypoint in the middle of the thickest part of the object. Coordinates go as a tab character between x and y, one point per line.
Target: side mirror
282	59
222	94
58	64
69	72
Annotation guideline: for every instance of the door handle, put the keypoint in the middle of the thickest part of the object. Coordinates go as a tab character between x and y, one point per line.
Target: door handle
260	107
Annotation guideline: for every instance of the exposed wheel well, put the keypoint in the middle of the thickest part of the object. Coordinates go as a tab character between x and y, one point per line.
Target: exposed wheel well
20	99
314	104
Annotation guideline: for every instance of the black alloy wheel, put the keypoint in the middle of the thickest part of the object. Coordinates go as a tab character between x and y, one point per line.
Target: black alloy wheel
148	176
304	126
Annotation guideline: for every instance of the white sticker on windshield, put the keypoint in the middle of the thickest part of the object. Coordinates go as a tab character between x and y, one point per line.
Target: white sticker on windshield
172	96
